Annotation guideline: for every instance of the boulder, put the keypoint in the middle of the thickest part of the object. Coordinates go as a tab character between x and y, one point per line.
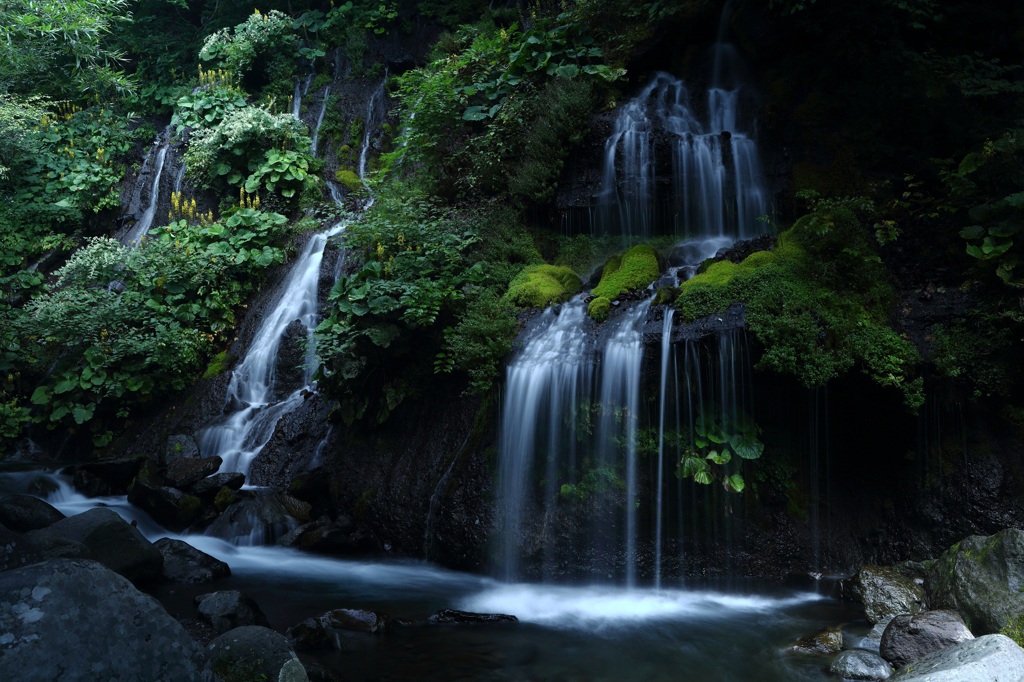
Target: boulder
886	592
73	620
209	487
858	664
324	535
180	446
263	518
229	609
168	506
825	641
453	616
983	579
985	659
183	563
254	653
104	477
908	638
184	472
15	550
873	640
106	538
22	513
323	632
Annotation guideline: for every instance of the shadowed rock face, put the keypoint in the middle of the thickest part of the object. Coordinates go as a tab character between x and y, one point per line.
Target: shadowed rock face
988	658
908	638
73	620
253	652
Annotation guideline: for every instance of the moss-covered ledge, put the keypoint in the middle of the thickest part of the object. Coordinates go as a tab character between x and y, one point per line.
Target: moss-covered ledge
628	272
819	304
538	286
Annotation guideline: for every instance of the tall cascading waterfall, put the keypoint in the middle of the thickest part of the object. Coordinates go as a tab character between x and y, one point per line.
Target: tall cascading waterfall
583	416
255	403
147	190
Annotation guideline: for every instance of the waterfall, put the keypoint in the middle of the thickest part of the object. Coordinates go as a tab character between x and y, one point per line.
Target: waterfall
715	185
253	393
301	88
590	442
154	163
320	117
544	382
374	114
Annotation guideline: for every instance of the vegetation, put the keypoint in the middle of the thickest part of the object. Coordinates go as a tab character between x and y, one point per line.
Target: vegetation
538	286
628	272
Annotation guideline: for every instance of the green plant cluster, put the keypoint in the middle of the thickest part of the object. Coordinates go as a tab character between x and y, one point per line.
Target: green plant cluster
466	114
719	438
819	303
118	324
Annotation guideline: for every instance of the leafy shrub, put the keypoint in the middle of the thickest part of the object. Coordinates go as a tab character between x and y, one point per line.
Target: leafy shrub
207	108
269	35
815	317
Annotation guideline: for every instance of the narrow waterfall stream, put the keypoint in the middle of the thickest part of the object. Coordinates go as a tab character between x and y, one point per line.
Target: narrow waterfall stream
147	191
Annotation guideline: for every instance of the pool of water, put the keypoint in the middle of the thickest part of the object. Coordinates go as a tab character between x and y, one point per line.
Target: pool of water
574	633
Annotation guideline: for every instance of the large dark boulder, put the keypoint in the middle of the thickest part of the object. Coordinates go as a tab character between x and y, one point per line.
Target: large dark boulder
983	579
824	641
15	550
264	518
70	620
908	638
886	592
254	653
184	472
207	488
453	616
22	513
326	631
104	477
106	538
858	664
985	659
183	563
168	506
229	609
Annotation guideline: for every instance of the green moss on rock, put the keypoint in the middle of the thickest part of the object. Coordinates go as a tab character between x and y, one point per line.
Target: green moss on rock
541	285
599	308
819	304
349	178
627	272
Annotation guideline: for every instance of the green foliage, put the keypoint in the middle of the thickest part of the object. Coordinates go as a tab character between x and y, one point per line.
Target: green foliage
118	324
466	114
538	286
977	352
261	35
599	308
385	325
596	481
481	340
628	272
988	181
720	438
252	147
61	47
819	304
208	107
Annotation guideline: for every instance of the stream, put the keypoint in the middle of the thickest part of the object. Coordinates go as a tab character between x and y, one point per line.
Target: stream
731	631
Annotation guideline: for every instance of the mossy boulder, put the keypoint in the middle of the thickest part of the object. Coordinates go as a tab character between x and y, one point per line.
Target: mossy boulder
349	179
599	308
628	272
817	307
982	578
537	286
886	593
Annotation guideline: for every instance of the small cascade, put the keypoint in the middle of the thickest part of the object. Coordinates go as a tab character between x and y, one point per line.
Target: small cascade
659	502
710	180
256	401
545	382
320	118
152	171
375	110
301	89
620	407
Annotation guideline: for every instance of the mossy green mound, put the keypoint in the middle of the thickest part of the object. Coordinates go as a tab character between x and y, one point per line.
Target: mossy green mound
541	285
599	308
349	178
819	303
630	271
